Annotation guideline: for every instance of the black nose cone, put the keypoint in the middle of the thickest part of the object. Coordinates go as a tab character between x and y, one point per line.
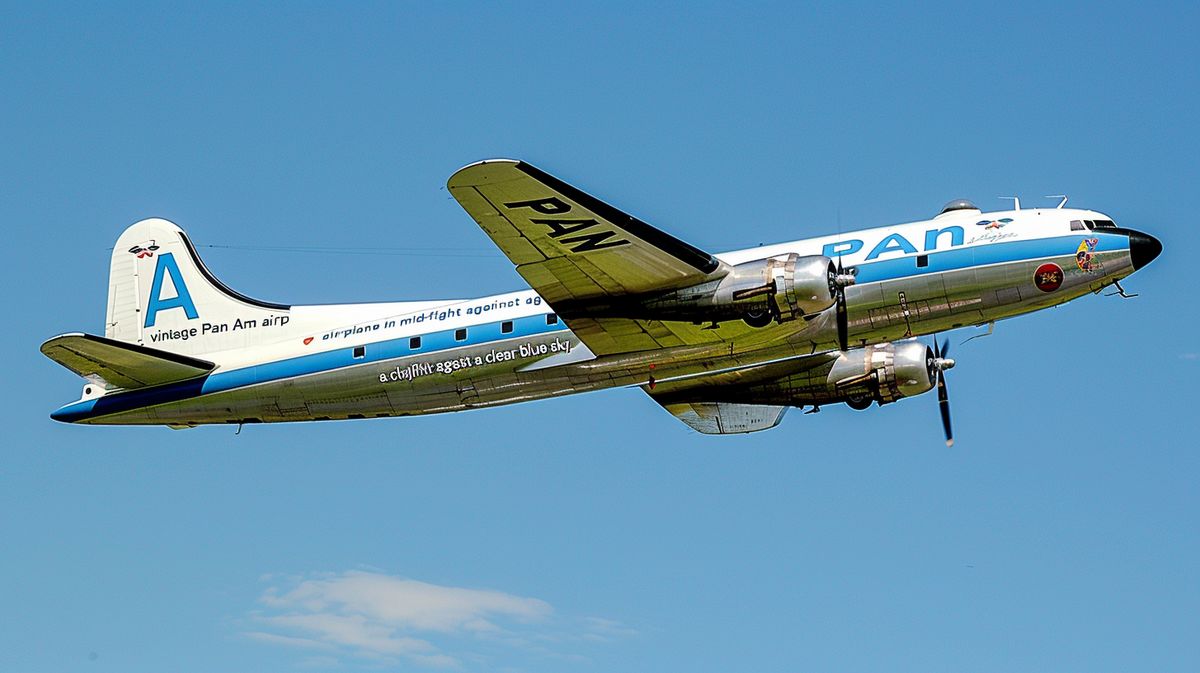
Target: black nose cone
1143	248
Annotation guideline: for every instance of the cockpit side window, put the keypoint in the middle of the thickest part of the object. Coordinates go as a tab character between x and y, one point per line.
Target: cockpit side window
1076	225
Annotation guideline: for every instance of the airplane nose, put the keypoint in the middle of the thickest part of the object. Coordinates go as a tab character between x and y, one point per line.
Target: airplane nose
1143	248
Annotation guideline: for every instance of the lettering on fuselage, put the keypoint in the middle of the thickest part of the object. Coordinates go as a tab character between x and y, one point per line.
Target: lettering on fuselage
207	328
478	307
896	243
578	235
524	351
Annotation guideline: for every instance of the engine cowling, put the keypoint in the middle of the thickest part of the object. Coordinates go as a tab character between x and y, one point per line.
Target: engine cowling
787	288
884	372
774	288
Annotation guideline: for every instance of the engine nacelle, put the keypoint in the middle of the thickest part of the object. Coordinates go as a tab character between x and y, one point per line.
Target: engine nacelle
787	288
780	289
884	372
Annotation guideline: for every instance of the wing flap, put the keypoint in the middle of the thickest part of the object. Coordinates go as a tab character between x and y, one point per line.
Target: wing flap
119	364
727	418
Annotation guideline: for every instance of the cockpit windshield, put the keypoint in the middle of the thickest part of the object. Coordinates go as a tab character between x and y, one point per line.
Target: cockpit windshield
1080	225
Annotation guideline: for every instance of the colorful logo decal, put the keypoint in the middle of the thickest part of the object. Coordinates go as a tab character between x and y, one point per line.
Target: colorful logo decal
144	249
1084	254
1048	277
993	224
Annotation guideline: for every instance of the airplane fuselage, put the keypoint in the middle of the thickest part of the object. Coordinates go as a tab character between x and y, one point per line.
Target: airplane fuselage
962	268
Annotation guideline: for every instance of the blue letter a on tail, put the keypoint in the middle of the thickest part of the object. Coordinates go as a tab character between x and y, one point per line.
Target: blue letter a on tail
182	299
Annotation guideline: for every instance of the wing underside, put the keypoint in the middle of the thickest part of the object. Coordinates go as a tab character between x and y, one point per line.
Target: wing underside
726	402
576	250
569	244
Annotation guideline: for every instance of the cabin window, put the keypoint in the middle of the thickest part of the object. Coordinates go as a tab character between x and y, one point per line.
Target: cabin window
360	351
414	343
460	334
1076	225
506	327
922	261
551	318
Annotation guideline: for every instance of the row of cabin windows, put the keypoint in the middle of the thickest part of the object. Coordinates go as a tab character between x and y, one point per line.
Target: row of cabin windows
1080	225
414	343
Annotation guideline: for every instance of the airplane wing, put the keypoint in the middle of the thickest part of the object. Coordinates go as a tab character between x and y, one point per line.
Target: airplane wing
120	364
568	244
573	248
722	403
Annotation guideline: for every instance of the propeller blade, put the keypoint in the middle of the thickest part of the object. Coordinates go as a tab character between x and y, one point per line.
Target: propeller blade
843	323
843	326
944	404
940	351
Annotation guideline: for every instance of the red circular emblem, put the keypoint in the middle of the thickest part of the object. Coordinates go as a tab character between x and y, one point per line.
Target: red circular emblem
1048	277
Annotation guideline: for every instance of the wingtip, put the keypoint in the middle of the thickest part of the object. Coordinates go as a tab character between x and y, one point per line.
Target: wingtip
52	341
456	178
482	162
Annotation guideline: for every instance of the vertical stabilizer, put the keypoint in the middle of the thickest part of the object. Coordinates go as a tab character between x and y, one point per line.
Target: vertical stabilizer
161	295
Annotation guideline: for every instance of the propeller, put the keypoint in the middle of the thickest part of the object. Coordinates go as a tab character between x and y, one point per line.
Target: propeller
840	281
941	362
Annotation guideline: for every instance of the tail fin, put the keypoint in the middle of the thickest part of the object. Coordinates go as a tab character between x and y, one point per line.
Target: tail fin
161	295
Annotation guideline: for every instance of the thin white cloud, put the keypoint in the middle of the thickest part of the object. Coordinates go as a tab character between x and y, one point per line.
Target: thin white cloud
290	641
383	618
319	662
598	628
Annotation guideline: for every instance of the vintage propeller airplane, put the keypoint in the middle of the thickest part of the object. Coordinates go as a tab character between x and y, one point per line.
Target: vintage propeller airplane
725	342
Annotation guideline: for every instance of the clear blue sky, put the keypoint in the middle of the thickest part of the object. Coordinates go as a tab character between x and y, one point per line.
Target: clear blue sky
595	533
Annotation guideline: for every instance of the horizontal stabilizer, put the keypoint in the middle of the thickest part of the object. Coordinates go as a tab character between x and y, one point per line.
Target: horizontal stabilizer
726	418
119	364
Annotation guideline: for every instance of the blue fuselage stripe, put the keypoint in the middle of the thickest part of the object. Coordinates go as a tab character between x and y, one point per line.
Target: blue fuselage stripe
982	255
390	349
